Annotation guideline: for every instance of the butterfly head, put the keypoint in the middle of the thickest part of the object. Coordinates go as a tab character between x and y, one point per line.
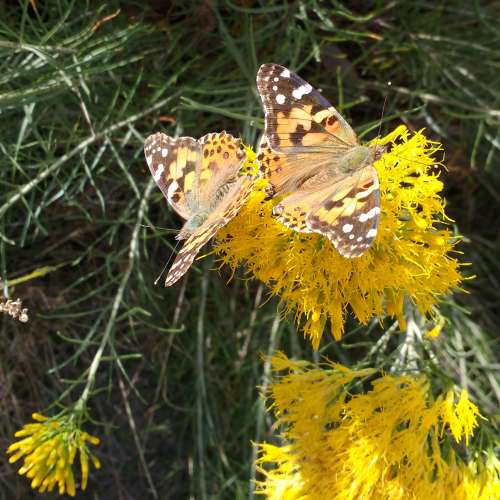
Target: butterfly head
191	225
377	151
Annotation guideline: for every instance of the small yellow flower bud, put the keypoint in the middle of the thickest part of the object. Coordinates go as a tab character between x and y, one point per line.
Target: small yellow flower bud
96	461
38	417
420	222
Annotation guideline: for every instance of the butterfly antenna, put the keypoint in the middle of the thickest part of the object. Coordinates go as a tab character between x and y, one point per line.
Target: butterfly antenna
380	128
167	263
383	111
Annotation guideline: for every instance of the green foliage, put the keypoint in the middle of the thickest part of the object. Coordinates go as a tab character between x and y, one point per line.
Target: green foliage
84	233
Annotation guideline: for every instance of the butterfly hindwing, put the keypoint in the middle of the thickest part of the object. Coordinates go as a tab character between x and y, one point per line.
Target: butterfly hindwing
349	215
275	168
346	214
188	252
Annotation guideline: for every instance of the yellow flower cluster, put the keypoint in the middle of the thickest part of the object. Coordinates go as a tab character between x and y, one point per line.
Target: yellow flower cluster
49	447
410	257
390	442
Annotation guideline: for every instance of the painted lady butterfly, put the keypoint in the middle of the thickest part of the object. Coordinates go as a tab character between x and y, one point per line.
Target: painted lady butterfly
312	158
202	182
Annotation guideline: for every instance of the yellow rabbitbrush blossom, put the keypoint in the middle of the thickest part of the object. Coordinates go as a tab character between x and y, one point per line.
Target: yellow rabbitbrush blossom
409	259
49	448
392	442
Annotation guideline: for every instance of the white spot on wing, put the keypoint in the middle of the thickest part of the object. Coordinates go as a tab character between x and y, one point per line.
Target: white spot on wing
371	233
172	189
369	215
158	173
280	99
285	73
365	193
301	91
347	228
164	152
276	79
351	236
275	88
149	159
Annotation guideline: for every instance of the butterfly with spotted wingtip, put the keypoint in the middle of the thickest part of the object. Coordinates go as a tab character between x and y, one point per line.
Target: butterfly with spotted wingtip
313	161
201	180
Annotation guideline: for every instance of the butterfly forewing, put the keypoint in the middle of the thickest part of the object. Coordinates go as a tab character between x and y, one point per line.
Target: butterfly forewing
173	164
297	115
304	156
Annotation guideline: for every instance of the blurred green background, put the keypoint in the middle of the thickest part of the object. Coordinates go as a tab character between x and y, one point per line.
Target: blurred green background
83	237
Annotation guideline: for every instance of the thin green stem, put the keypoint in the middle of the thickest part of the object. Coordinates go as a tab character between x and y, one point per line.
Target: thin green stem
24	190
132	253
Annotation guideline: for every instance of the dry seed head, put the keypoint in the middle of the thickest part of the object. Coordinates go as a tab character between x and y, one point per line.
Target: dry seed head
14	308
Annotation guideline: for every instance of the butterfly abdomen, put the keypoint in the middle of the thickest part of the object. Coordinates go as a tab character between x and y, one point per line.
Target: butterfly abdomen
223	190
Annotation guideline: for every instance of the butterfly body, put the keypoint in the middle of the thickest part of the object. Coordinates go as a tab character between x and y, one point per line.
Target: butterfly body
202	182
356	158
314	163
